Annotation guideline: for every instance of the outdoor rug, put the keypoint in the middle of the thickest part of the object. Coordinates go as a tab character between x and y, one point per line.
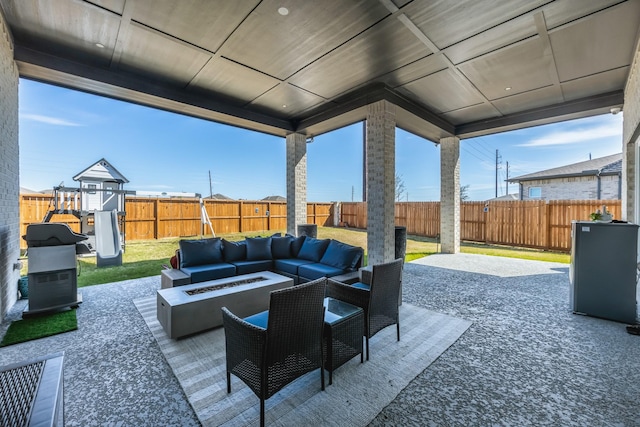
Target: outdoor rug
359	391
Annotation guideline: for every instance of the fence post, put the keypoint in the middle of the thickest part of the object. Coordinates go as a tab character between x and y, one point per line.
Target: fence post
547	214
240	216
156	219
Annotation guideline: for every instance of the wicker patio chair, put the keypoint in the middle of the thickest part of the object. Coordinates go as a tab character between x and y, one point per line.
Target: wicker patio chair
269	350
378	297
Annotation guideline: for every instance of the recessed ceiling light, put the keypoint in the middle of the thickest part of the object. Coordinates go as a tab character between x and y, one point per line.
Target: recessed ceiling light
283	11
284	105
507	88
100	45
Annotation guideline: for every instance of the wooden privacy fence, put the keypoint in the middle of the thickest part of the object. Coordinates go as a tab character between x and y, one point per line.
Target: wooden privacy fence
156	218
536	224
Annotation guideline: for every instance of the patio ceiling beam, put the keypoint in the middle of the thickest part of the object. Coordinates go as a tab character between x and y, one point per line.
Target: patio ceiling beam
127	87
584	107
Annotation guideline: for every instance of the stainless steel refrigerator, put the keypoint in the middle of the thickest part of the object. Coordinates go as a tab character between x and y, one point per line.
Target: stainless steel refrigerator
603	273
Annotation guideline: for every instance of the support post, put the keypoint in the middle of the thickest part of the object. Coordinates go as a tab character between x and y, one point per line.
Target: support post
450	194
380	166
296	181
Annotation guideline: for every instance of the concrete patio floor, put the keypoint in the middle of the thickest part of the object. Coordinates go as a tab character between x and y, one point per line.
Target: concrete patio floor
526	360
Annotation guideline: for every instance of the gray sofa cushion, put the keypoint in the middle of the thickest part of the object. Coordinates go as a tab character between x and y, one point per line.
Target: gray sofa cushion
200	252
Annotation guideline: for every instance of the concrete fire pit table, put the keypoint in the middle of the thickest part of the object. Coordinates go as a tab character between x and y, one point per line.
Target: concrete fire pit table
185	310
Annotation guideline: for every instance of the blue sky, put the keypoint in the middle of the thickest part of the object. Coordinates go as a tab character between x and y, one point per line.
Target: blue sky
63	131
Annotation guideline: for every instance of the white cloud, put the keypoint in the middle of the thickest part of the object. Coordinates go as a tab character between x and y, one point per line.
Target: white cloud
48	120
575	136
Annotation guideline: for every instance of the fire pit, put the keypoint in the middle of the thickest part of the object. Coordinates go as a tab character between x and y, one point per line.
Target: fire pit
186	310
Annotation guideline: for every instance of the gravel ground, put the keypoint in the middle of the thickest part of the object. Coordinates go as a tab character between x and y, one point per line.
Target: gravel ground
526	360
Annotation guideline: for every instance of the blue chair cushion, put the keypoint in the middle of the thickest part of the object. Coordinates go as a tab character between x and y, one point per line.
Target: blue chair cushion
246	267
361	285
234	251
281	247
313	249
260	320
200	252
290	265
202	273
341	255
316	271
258	248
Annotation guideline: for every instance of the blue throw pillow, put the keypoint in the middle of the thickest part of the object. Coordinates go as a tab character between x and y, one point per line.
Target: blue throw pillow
296	244
234	251
200	252
340	255
313	249
258	248
281	247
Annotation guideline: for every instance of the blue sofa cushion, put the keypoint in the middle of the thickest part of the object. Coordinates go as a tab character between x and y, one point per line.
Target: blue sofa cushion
200	252
202	273
289	265
246	267
258	248
234	251
313	249
281	247
341	255
296	244
317	270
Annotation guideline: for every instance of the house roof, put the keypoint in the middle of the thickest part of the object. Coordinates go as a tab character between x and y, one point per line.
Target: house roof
463	67
101	170
609	165
218	196
275	199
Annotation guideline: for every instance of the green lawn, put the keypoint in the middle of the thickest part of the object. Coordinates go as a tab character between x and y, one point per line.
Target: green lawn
145	258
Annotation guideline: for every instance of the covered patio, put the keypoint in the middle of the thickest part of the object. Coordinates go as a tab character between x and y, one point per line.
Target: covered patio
444	71
525	360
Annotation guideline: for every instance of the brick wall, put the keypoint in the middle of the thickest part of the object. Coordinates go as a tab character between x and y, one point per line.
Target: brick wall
630	141
575	188
9	174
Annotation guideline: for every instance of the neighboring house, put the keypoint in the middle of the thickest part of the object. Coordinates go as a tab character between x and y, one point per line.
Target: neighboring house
506	197
595	179
275	199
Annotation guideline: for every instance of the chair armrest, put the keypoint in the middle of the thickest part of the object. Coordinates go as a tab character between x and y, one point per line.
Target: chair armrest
348	293
366	276
244	341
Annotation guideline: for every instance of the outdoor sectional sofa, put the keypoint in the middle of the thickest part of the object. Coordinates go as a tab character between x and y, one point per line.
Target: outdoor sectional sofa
301	258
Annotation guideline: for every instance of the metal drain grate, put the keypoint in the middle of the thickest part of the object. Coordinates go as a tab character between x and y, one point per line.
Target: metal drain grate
18	387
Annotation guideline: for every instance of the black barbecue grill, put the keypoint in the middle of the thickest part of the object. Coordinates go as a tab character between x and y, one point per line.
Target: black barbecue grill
52	272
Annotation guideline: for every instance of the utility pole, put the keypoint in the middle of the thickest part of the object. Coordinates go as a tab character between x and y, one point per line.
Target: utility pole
497	167
507	181
210	186
352	192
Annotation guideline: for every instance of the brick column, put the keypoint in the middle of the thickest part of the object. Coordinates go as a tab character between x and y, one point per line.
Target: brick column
296	181
9	173
380	165
450	195
630	142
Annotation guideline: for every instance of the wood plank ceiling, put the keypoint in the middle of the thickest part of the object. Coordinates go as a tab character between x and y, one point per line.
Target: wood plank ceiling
464	67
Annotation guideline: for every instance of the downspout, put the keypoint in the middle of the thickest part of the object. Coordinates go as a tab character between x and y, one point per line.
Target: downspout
620	185
599	186
521	190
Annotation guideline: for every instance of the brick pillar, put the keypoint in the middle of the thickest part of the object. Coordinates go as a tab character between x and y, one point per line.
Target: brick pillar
380	165
630	142
9	173
450	195
296	181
